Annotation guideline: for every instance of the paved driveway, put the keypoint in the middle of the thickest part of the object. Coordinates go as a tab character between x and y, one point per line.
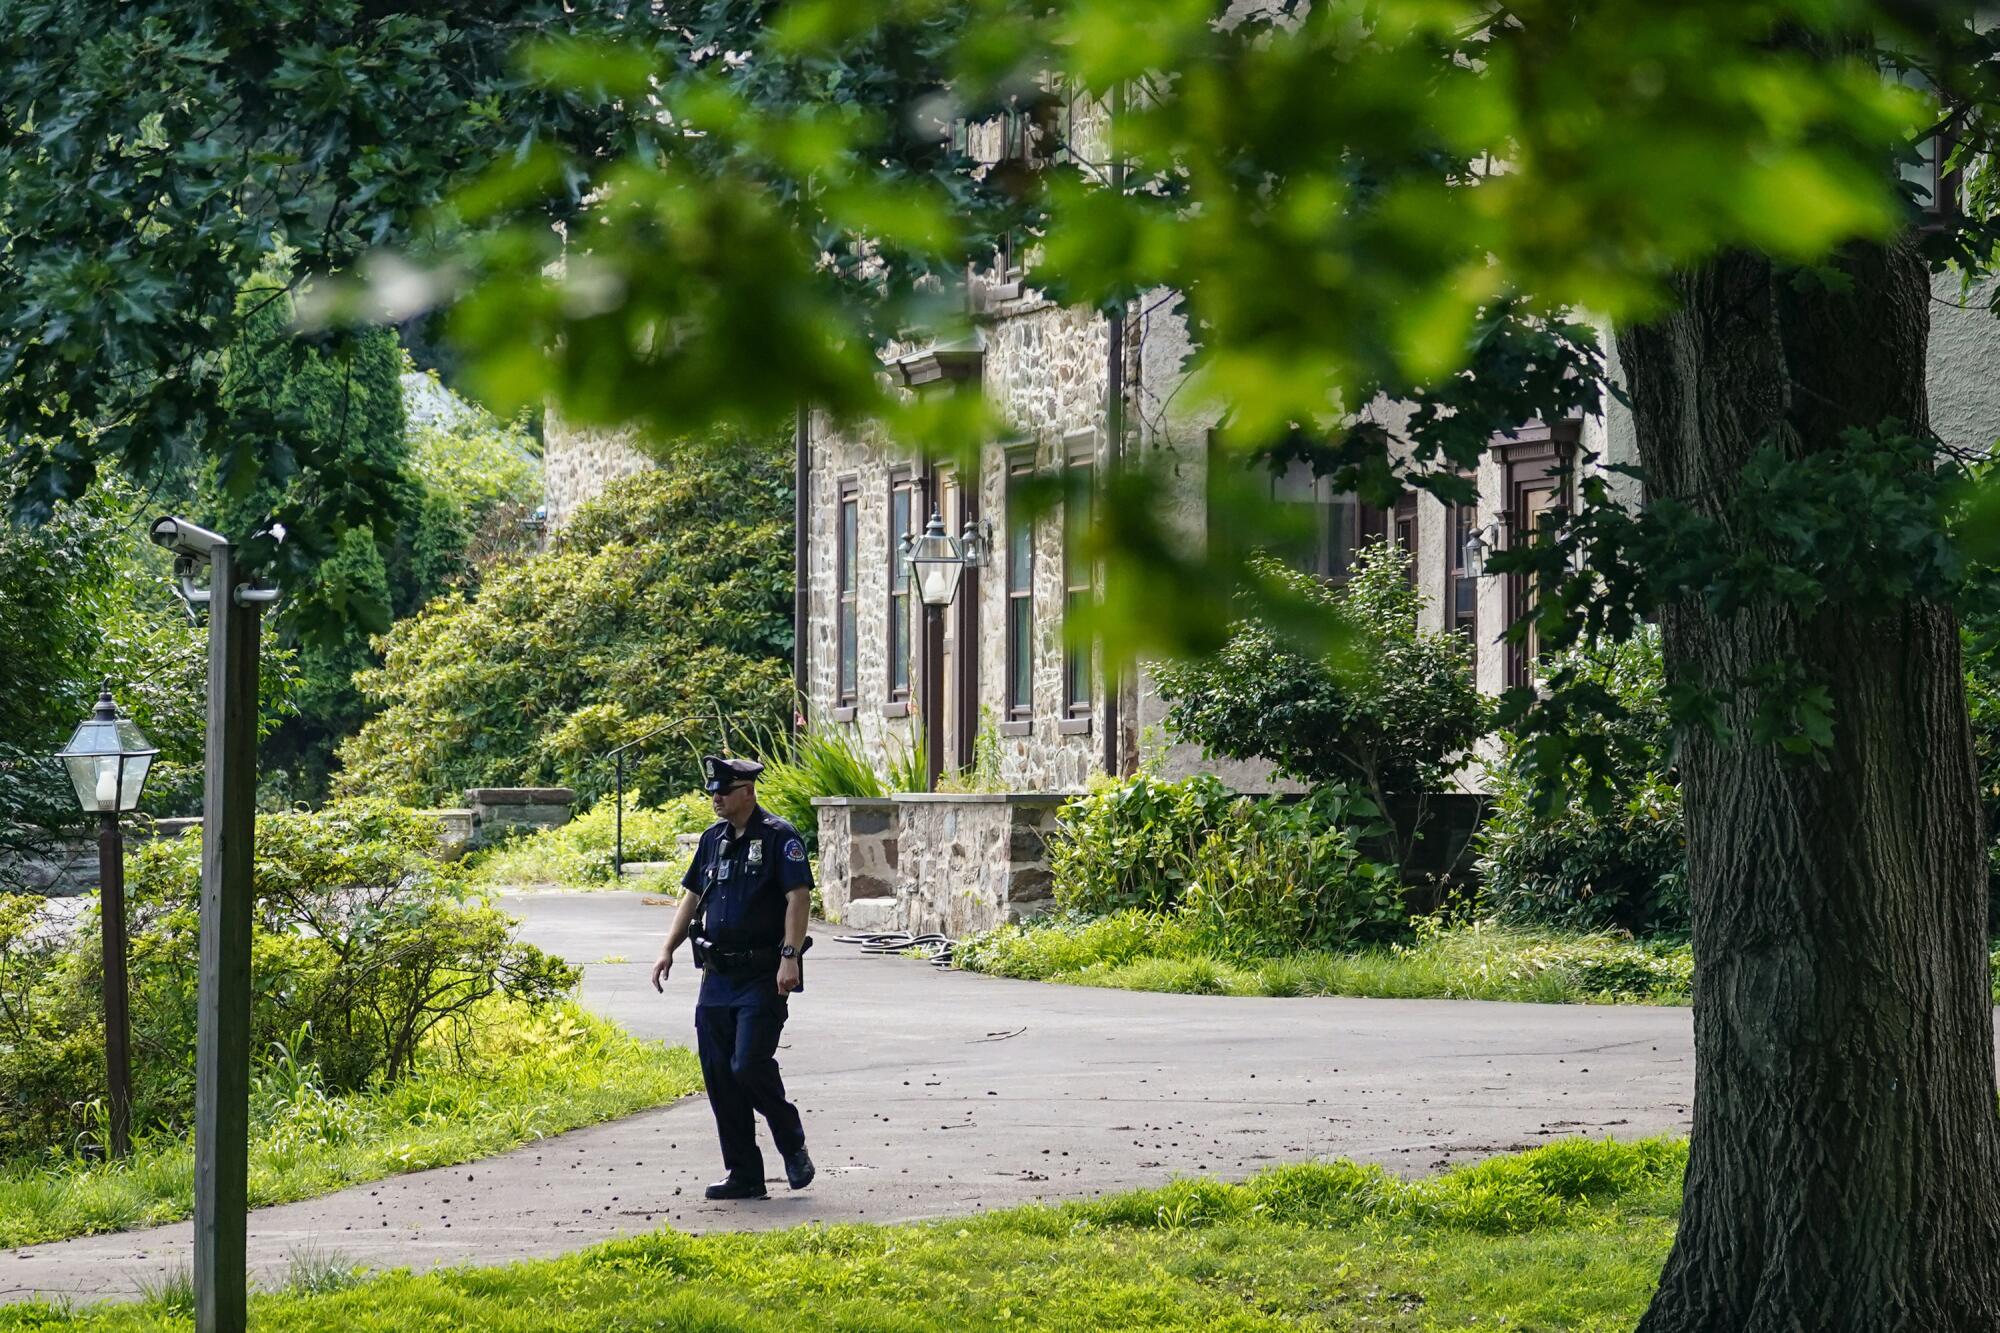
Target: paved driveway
928	1093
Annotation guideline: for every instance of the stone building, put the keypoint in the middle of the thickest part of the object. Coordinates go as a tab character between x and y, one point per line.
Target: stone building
992	676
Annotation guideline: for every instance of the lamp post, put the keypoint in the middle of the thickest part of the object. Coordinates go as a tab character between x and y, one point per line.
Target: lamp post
108	759
936	564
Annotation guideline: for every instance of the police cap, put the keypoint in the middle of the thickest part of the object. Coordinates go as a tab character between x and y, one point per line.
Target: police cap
726	773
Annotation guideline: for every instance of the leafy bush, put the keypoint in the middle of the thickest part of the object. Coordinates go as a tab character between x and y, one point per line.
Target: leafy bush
1982	697
580	852
1612	857
364	949
1282	876
337	414
1247	875
1047	948
669	600
520	1073
1393	710
85	599
1134	843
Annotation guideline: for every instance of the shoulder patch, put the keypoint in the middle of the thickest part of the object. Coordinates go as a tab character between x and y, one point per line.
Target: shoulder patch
795	850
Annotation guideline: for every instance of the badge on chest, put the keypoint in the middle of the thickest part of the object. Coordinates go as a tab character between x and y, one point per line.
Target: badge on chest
753	855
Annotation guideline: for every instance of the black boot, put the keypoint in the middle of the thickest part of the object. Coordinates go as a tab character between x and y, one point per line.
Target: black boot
799	1170
733	1188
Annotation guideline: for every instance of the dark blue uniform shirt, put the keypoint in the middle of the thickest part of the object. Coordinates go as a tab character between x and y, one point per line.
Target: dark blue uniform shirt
748	876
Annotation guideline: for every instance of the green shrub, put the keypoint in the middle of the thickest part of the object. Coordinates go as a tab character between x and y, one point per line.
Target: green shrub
364	949
827	762
1247	875
1134	843
668	602
1280	876
1392	710
1474	961
1616	859
580	852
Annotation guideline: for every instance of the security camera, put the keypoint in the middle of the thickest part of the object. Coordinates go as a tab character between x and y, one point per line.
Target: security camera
185	538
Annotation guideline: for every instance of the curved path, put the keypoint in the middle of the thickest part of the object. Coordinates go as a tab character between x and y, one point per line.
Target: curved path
928	1093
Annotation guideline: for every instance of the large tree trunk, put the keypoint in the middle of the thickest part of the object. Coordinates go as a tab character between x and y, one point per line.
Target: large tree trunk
1845	1161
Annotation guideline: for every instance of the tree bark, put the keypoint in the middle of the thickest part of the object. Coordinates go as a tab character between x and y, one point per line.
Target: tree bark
1846	1150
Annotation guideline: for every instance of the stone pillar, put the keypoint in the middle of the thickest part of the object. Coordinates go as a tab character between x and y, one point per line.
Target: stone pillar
858	852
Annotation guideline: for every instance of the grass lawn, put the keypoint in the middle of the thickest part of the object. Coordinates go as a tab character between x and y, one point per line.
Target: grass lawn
1569	1237
1476	961
525	1077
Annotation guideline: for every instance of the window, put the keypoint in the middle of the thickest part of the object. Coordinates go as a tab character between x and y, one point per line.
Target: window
902	511
1020	592
1406	535
1339	523
1535	465
1078	493
847	687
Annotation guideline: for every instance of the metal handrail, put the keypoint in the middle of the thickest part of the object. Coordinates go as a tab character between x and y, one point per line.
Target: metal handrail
618	753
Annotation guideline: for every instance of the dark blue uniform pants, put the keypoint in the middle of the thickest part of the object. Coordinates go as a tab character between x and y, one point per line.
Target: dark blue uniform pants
738	1046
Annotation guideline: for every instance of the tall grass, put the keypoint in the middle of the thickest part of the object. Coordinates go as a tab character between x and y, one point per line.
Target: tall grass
829	762
1136	950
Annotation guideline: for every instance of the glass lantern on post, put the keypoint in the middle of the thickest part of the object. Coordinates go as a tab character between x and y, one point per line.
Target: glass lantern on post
936	564
108	759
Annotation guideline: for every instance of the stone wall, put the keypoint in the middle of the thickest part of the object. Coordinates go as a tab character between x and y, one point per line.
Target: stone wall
578	463
499	812
950	863
857	853
971	862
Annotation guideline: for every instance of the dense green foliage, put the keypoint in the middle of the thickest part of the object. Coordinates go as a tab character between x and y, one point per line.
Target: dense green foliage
364	947
85	600
1246	875
345	409
1615	857
1134	843
1392	711
1564	1239
1151	951
488	471
667	604
159	153
519	1074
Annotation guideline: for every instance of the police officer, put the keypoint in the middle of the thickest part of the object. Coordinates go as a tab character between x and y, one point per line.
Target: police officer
750	885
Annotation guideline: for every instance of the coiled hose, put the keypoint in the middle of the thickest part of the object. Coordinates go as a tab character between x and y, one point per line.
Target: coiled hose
932	948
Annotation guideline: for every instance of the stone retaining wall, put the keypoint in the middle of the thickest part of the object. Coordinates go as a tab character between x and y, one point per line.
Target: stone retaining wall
500	811
857	853
949	863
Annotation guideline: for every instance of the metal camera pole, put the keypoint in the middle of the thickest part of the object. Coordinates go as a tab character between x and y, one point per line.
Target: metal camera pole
222	998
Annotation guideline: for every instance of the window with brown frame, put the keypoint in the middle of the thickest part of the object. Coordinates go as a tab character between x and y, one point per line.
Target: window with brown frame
1405	530
1020	592
902	520
1079	492
848	685
1535	469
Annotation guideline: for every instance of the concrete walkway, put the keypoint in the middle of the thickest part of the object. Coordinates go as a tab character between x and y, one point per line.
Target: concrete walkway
928	1093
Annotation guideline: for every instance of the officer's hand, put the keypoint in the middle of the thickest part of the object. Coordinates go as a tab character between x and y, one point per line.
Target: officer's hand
660	970
788	975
